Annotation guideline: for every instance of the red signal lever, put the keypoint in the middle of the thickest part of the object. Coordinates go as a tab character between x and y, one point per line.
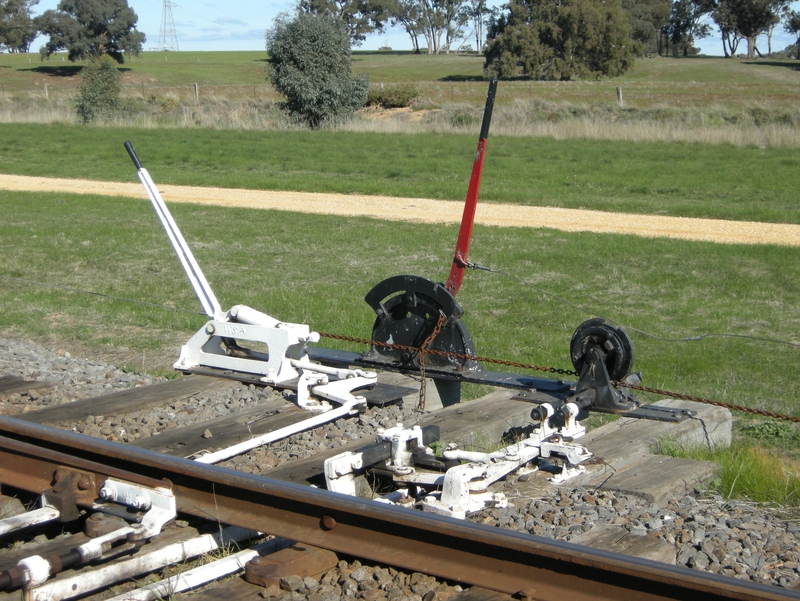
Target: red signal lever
460	262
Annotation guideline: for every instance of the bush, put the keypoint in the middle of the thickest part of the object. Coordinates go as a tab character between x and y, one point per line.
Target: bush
98	95
392	96
310	65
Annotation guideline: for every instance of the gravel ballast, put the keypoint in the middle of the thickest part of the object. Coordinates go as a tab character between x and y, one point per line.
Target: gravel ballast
730	537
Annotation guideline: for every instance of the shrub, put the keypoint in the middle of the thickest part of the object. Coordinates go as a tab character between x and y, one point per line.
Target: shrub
310	65
392	96
98	95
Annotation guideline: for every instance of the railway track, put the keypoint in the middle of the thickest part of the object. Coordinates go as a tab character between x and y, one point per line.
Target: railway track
488	562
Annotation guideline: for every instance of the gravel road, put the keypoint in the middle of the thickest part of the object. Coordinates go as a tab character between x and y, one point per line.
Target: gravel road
436	211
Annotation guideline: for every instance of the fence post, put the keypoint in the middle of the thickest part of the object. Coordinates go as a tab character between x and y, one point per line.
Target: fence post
619	97
46	95
196	93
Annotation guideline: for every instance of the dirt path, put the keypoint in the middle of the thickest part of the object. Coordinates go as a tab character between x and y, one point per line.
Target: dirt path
436	211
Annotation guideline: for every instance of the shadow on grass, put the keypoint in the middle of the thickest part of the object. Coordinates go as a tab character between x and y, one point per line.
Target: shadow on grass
62	70
794	65
463	78
357	53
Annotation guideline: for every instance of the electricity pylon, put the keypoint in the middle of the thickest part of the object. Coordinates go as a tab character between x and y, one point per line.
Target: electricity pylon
167	38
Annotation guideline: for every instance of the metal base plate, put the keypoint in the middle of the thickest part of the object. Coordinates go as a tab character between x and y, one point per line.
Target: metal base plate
488	378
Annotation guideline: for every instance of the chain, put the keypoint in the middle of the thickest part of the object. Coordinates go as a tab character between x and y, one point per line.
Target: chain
422	351
686	397
463	357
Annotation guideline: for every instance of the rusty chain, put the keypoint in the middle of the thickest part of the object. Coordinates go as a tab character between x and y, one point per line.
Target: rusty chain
422	351
686	397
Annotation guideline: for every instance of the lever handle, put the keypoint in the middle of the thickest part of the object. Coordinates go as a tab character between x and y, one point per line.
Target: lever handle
132	153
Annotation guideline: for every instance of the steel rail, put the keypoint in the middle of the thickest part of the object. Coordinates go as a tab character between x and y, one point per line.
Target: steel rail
500	560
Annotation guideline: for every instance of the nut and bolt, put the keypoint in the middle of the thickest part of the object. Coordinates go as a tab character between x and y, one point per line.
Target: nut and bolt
328	523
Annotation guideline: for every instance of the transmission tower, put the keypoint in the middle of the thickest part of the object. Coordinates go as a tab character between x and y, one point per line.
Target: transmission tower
167	38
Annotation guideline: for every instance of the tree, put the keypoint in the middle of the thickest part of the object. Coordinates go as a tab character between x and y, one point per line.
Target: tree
90	29
792	26
726	22
17	29
98	95
748	18
361	17
438	19
478	14
560	40
647	18
405	13
310	64
686	25
440	22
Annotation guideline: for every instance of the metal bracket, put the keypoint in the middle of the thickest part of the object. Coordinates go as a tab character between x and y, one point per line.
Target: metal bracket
157	503
71	488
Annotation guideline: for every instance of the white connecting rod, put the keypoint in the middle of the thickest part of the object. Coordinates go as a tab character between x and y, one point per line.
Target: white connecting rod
269	437
31	518
103	576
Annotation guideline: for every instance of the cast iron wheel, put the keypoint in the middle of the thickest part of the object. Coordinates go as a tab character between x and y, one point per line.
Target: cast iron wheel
614	342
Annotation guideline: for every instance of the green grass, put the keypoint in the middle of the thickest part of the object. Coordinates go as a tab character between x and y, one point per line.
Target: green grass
749	471
666	179
316	269
665	82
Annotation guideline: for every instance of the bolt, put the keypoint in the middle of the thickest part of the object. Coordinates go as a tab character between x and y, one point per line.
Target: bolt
141	502
85	483
328	523
258	561
210	328
526	594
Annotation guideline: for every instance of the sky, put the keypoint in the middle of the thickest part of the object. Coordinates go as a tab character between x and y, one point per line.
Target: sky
241	25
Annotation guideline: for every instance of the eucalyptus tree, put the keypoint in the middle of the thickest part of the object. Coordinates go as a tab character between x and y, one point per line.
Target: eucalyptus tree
360	17
560	40
89	29
17	29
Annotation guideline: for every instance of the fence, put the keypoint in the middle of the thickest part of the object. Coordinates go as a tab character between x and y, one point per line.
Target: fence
183	93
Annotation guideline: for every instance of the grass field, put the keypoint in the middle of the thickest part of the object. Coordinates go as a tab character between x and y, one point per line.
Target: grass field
708	100
673	179
660	81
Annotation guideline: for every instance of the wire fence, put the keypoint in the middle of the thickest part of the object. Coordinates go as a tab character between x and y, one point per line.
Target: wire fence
150	93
